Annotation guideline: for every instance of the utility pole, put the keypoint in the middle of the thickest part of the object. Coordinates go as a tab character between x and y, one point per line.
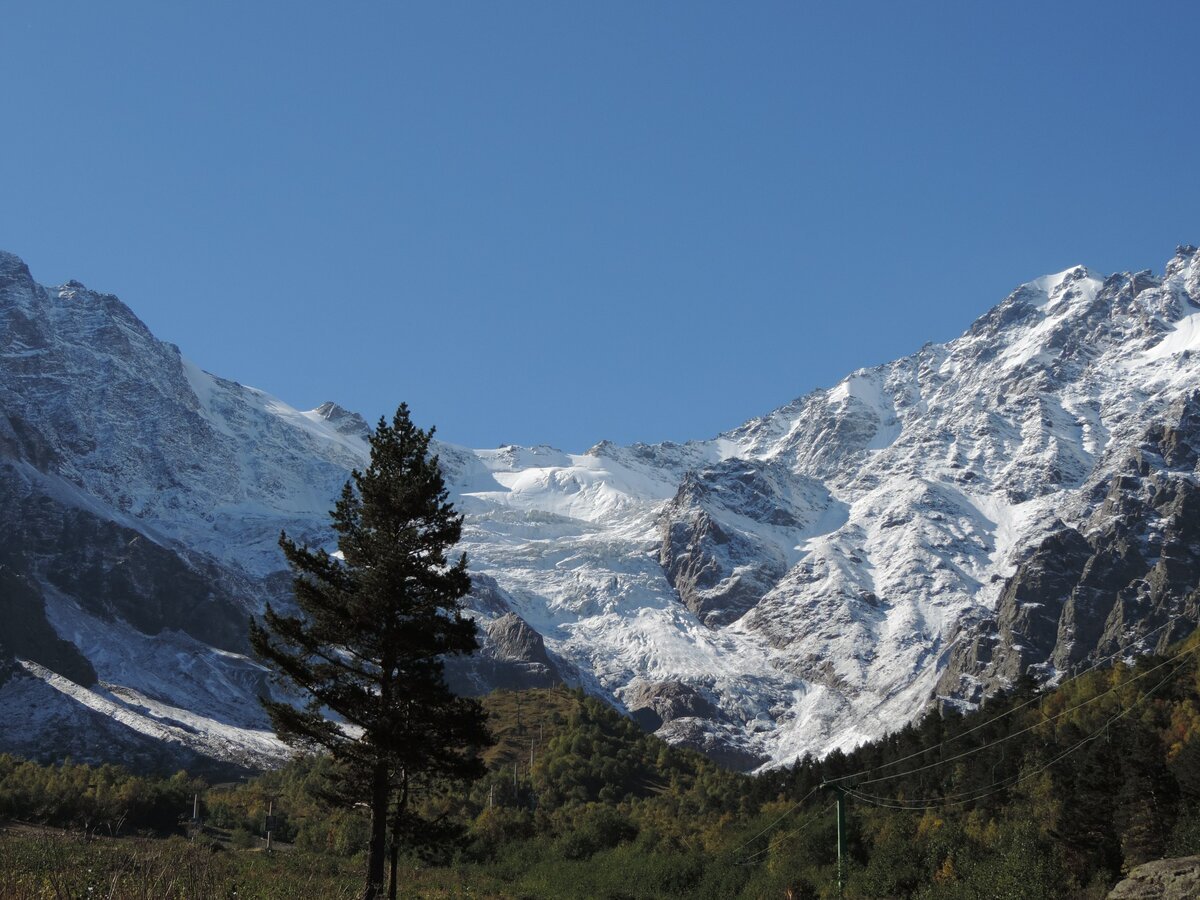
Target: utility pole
195	815
842	848
532	797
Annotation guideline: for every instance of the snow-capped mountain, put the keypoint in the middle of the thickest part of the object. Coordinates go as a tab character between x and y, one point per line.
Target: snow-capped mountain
1019	500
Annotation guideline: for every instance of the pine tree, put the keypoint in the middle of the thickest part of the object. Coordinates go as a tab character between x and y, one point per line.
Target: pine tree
373	628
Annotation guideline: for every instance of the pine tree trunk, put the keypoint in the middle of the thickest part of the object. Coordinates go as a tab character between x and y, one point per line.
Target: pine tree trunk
401	805
377	847
395	863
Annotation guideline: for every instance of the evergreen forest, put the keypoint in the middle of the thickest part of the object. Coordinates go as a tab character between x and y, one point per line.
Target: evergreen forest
1038	794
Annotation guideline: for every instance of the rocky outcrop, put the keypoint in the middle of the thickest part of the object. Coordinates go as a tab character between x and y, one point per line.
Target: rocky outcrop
344	421
513	657
28	635
1129	586
1163	879
726	533
723	743
651	704
718	572
510	641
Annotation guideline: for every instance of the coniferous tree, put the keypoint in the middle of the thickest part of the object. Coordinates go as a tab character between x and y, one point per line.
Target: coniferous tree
374	624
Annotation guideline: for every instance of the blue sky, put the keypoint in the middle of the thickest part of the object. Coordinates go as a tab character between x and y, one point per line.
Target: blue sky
563	222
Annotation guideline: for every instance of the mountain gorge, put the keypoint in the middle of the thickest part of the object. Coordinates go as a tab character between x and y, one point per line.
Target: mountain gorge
1021	501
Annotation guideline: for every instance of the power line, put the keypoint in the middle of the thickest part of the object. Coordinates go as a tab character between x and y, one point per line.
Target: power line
791	809
1031	727
1013	781
996	787
1035	725
1035	699
795	829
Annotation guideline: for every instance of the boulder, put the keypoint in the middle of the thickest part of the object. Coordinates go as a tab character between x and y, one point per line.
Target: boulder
1163	879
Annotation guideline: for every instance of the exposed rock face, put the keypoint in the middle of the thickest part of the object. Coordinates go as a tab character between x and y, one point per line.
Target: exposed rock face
512	657
27	632
652	705
1021	500
1163	879
719	572
514	641
720	742
343	420
115	572
1130	584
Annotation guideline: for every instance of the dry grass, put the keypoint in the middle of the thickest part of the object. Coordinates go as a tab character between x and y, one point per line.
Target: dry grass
65	866
46	864
517	718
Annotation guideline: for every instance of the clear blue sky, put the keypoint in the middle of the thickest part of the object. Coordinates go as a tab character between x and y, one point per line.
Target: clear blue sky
561	222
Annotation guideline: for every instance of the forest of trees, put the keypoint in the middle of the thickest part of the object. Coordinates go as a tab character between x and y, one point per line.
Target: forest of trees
1052	794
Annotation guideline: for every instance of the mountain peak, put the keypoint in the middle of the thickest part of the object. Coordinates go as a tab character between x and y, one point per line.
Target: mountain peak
13	267
1185	257
343	420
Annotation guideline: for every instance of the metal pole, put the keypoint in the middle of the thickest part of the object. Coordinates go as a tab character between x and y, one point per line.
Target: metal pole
841	829
270	822
843	848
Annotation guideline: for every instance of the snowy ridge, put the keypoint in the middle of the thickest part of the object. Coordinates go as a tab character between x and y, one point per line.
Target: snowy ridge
938	471
804	577
144	715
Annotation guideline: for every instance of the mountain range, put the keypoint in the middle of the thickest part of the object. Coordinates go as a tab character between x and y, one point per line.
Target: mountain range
1020	502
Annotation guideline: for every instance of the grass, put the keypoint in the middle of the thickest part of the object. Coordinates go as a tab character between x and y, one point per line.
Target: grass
63	866
46	864
517	718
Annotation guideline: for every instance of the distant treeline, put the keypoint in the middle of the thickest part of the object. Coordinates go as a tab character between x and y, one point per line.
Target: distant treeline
1037	795
104	799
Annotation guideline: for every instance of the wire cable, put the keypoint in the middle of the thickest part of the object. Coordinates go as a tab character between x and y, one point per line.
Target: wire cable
791	809
796	829
980	793
1038	698
1026	730
1012	781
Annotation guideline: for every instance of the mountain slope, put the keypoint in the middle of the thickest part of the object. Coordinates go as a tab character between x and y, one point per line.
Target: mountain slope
1019	499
